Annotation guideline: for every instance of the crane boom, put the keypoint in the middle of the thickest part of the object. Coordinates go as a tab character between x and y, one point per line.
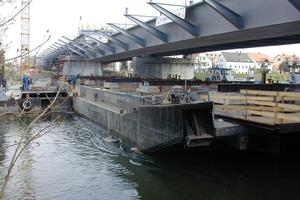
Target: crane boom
25	35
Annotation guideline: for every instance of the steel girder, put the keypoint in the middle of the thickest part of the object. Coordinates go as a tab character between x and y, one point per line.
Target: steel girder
129	35
189	27
222	24
154	31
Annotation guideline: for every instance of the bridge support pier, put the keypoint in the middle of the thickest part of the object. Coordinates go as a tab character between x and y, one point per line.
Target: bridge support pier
164	67
75	65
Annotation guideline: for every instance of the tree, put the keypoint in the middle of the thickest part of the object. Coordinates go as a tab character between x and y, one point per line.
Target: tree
2	58
264	71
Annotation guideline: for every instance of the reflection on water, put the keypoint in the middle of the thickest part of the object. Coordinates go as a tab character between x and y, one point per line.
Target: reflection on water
76	161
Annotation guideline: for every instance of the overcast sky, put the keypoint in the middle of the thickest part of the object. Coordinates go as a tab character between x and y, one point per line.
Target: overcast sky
61	17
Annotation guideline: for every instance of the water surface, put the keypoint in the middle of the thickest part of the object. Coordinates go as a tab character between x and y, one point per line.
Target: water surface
76	160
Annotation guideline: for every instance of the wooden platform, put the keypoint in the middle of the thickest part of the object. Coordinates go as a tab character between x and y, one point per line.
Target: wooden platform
270	109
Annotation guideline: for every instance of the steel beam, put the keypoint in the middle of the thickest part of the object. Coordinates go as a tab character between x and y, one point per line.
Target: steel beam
219	33
61	45
45	52
76	45
114	40
92	47
56	46
54	52
168	4
78	52
69	46
50	54
157	33
129	35
88	52
56	49
103	45
295	3
51	48
189	27
228	14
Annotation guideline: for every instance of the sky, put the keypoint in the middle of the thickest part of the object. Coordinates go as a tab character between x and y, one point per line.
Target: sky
62	17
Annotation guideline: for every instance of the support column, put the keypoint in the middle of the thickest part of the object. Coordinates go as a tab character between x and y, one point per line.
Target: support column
163	67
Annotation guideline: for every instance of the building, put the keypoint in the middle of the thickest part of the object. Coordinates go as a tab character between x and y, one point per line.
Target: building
283	61
260	59
202	62
214	57
237	61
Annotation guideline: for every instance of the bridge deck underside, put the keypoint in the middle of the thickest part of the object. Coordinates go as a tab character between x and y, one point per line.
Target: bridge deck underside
288	33
231	24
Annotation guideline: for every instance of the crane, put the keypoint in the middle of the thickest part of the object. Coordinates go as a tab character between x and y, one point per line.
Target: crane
25	35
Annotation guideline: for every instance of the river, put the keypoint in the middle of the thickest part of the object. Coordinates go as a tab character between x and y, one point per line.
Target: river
76	160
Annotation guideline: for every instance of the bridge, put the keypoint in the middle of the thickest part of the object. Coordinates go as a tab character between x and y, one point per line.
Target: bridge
208	25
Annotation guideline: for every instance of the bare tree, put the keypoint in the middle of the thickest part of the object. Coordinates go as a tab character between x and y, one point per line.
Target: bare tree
28	136
264	71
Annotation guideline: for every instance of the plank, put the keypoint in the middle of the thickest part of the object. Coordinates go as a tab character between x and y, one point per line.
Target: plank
284	116
258	92
271	93
256	119
290	117
261	103
289	99
227	97
290	94
286	107
262	113
289	107
243	108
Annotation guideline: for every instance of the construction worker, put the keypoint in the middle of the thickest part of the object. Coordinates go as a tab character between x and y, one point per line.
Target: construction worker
25	82
29	82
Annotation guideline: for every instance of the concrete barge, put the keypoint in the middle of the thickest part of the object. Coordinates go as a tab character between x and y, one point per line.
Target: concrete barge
153	128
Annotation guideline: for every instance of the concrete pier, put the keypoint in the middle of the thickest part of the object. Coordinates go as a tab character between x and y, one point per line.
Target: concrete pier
73	65
162	67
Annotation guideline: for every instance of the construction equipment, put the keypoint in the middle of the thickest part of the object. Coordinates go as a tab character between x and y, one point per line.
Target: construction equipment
220	74
25	35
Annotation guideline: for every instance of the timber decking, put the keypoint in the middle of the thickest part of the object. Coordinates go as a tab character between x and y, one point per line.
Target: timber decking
270	108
